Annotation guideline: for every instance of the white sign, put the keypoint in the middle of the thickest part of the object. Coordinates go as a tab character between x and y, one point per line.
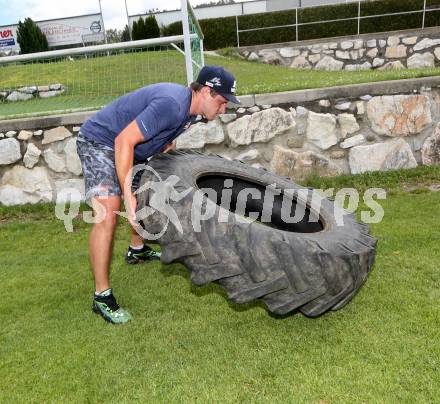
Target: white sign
70	31
87	38
8	38
59	32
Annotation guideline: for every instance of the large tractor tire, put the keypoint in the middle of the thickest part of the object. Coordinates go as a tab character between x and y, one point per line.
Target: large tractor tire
313	266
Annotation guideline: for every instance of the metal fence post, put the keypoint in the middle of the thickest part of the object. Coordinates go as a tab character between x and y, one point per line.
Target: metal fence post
236	28
103	26
359	17
128	22
296	24
423	15
187	42
202	54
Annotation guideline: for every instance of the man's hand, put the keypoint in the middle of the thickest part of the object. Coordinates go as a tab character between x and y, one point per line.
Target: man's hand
170	147
130	202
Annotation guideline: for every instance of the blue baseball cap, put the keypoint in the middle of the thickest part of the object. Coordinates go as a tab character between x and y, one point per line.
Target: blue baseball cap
220	80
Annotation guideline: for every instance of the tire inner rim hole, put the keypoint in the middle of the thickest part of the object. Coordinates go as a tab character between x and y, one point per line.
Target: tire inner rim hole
250	199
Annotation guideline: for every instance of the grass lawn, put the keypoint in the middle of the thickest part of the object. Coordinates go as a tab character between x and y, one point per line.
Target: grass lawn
189	344
94	82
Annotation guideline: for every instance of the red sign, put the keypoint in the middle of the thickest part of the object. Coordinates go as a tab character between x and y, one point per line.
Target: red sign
6	33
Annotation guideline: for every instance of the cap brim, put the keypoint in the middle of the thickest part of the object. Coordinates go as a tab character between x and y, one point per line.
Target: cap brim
231	98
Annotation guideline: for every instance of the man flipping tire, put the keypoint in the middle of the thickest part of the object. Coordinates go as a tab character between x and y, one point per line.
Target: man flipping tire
130	130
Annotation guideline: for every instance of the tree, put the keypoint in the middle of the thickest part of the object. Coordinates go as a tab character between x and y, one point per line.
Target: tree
138	31
113	35
142	28
125	36
152	29
30	37
134	30
145	28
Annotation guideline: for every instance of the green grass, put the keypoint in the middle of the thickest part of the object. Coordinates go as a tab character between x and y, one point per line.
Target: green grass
94	82
260	78
419	180
189	344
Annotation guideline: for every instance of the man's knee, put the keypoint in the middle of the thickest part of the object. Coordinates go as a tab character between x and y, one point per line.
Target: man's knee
105	212
109	222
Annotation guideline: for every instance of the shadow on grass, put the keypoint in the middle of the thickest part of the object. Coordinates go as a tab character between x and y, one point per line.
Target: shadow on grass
214	288
210	288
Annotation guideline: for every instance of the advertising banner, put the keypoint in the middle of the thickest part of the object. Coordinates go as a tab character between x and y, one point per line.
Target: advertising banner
59	32
69	31
8	38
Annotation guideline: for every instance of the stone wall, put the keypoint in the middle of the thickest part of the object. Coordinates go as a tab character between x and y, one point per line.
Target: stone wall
328	136
37	165
382	51
351	129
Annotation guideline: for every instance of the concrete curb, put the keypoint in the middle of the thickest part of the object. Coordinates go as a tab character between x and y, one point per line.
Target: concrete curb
75	118
347	91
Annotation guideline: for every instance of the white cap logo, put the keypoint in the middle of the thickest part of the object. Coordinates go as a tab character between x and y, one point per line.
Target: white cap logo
216	81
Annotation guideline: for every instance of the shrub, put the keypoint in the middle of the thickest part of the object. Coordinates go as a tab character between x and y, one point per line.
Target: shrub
218	32
330	29
151	27
138	29
30	37
145	28
390	23
125	36
272	35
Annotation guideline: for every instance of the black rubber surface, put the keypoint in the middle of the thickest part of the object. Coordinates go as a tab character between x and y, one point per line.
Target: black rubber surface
312	266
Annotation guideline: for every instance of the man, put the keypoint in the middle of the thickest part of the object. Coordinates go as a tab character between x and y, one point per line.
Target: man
131	129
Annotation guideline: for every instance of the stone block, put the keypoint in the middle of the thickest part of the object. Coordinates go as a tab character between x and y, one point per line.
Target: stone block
384	156
321	130
9	151
399	115
260	127
298	165
55	135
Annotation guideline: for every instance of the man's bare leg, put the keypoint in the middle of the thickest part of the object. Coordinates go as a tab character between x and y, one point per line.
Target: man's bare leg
101	240
138	252
136	240
101	246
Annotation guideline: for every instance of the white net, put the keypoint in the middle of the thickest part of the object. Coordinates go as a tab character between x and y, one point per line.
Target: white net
193	41
196	41
84	81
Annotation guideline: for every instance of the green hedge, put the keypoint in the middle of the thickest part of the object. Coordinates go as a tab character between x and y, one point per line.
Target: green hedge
268	35
221	32
391	23
218	32
331	29
432	18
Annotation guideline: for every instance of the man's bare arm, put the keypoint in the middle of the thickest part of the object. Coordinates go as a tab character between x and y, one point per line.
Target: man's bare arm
125	142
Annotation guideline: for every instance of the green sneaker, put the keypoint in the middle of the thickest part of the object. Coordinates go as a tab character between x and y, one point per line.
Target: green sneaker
106	306
137	256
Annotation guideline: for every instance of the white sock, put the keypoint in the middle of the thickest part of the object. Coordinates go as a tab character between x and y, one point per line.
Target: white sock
104	292
139	247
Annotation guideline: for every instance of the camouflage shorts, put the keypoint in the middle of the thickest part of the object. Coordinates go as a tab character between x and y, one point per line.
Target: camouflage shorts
98	164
